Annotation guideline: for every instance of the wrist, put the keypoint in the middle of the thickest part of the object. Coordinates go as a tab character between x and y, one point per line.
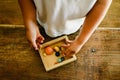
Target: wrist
30	25
79	42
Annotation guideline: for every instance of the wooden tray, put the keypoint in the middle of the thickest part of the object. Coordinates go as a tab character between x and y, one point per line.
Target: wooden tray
49	61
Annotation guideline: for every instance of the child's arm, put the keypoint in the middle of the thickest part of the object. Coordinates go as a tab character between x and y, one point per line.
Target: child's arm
29	16
92	21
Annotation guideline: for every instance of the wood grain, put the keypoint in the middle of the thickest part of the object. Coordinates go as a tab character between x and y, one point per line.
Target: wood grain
99	58
10	13
49	61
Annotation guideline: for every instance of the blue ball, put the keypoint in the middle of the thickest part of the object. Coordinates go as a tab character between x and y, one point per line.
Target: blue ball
57	54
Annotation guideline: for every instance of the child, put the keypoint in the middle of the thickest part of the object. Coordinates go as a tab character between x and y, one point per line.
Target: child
59	17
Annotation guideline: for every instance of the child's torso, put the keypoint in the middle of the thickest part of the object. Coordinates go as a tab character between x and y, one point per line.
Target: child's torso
62	16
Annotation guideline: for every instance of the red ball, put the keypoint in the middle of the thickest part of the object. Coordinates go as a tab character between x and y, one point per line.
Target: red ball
48	50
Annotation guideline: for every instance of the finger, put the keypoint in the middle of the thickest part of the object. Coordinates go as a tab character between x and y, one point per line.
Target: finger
34	45
68	53
63	53
40	39
30	42
39	45
67	41
65	45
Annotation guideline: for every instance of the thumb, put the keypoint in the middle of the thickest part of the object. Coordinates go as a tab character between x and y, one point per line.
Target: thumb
65	45
67	41
34	45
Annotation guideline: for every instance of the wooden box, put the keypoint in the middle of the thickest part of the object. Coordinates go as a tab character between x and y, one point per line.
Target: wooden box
50	61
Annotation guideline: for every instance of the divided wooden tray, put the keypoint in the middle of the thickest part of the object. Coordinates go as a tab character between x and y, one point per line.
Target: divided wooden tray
50	61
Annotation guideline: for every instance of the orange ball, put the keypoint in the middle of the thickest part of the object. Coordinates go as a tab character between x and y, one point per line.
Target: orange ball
48	50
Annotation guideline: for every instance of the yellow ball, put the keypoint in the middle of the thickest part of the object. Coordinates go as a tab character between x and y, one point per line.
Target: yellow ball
44	54
56	49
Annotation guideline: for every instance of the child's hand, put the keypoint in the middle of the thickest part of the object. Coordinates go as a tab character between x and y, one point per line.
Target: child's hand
71	48
34	37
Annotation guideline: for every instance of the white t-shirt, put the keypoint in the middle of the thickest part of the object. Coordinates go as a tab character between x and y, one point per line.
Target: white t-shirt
60	17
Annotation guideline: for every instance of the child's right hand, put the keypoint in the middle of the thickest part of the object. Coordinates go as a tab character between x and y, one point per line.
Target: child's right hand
34	37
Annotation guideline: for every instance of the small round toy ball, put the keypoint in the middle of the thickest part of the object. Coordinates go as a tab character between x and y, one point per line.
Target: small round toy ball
62	49
59	60
57	54
48	50
44	54
62	58
56	49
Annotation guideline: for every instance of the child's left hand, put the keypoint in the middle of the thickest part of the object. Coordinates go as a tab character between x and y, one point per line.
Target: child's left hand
71	48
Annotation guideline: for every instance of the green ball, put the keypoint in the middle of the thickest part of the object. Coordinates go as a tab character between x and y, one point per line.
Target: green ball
59	60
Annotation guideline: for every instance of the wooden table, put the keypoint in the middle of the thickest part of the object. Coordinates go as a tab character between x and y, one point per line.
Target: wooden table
99	58
10	13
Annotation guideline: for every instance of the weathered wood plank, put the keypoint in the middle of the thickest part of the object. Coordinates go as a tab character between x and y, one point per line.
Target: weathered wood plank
97	60
10	13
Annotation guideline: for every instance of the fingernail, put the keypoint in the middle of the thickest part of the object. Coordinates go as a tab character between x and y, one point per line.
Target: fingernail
41	41
36	48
